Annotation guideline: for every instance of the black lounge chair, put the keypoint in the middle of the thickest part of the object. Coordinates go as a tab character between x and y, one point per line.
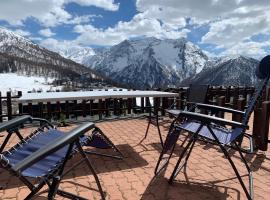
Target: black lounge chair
215	130
43	155
196	94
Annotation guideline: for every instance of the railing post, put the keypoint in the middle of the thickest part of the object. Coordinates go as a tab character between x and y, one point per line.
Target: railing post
221	102
164	105
67	109
20	104
40	109
240	105
9	106
261	126
129	105
100	109
142	104
49	110
107	107
1	111
84	108
30	109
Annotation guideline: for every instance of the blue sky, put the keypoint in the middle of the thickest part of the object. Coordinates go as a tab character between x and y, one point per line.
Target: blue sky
219	27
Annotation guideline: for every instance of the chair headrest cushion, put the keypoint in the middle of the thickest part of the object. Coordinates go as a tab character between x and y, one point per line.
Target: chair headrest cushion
263	69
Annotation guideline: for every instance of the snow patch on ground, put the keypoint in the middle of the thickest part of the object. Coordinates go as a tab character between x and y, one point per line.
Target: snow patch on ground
13	82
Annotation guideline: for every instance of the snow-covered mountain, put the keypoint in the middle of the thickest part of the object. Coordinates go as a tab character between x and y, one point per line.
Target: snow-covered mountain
18	54
149	62
234	70
78	54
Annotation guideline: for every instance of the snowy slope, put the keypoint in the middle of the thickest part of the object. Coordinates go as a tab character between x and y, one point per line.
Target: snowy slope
14	82
18	54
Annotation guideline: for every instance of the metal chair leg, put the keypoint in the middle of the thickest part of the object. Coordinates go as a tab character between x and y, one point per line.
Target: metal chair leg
248	195
92	170
191	142
178	168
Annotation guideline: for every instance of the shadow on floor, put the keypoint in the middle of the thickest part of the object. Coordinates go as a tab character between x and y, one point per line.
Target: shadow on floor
160	189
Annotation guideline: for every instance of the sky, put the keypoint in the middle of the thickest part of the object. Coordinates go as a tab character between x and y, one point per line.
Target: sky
219	27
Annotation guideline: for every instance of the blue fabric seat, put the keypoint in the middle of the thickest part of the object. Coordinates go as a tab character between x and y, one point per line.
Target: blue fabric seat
225	136
37	142
40	158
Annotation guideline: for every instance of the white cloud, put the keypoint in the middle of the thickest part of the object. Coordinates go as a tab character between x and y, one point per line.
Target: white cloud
138	26
46	32
250	48
48	12
230	23
105	4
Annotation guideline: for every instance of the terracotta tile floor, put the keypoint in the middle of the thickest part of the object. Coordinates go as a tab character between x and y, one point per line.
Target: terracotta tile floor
208	175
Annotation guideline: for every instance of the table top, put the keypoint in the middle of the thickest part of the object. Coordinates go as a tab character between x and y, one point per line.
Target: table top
86	95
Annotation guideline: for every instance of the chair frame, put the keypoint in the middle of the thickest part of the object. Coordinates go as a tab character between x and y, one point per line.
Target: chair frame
190	103
53	178
211	122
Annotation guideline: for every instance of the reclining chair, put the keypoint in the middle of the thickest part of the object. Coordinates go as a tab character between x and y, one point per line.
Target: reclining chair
43	154
196	94
214	129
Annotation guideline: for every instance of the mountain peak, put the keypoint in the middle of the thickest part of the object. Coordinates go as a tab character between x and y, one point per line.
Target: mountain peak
149	62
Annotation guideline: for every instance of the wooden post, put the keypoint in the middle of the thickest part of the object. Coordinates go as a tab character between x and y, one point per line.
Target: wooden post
91	107
148	105
67	109
221	102
134	105
164	105
84	108
20	104
120	105
115	102
100	109
49	110
9	106
58	109
156	105
261	126
240	105
30	109
1	111
107	105
142	104
40	109
129	105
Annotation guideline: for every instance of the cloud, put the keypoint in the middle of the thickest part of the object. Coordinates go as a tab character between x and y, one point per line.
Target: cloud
48	12
105	4
46	32
138	26
230	23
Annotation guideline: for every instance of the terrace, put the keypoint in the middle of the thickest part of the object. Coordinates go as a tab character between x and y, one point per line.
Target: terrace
208	175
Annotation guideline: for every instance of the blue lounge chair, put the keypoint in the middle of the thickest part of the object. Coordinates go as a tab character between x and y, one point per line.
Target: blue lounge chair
42	155
215	130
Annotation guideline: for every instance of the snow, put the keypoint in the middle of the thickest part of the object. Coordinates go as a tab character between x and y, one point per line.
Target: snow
13	82
166	54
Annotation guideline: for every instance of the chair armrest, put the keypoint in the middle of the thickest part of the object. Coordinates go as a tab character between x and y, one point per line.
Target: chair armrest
14	123
53	146
208	119
219	108
43	121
